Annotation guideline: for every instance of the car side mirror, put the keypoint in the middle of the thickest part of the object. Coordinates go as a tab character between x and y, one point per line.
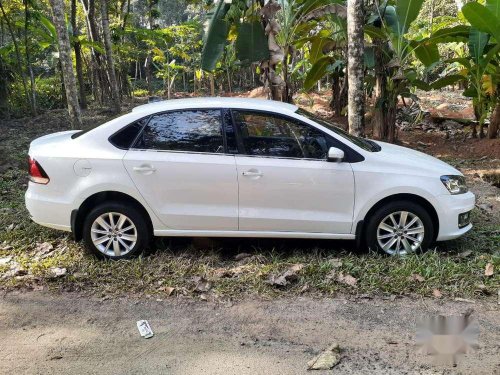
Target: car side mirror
335	154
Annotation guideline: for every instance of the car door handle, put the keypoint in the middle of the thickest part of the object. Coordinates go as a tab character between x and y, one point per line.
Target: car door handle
253	173
145	168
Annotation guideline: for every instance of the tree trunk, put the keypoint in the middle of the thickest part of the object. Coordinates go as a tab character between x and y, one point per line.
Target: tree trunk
28	60
78	57
4	91
494	122
335	101
270	78
379	120
19	64
355	68
212	84
115	91
66	62
99	89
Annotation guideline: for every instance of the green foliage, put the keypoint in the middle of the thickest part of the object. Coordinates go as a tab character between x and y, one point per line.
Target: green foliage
406	12
251	43
216	37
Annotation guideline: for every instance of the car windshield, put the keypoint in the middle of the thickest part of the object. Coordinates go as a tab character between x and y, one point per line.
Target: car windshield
365	144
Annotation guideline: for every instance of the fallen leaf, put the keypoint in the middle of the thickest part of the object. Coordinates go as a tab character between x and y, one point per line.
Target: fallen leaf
296	267
201	284
168	290
488	271
4	261
335	262
465	254
458	299
44	247
241	256
326	360
58	271
347	279
288	276
437	293
416	277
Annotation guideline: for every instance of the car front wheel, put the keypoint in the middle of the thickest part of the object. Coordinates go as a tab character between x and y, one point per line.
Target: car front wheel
115	231
400	228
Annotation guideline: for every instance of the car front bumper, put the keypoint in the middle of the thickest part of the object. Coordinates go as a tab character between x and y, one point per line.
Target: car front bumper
448	208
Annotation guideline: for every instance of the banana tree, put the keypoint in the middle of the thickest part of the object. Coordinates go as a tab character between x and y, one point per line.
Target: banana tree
395	49
265	34
482	68
328	56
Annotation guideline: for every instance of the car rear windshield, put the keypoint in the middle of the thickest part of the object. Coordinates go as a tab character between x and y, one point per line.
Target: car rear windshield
365	144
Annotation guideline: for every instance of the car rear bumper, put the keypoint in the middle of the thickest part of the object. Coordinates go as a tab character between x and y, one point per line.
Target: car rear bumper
448	210
48	212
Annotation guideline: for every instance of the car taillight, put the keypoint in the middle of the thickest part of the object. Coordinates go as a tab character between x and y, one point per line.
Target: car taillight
36	173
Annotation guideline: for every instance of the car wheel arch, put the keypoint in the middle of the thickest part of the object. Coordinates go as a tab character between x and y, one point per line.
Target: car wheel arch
360	226
78	215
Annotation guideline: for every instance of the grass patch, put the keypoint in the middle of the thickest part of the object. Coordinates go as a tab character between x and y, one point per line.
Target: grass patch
176	262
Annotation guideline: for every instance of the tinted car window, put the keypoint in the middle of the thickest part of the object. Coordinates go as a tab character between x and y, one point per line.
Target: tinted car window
196	131
271	135
125	137
365	144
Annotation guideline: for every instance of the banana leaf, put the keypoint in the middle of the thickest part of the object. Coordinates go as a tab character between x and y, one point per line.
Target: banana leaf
251	43
482	18
216	37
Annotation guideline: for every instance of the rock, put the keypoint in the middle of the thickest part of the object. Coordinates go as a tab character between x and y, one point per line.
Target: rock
326	360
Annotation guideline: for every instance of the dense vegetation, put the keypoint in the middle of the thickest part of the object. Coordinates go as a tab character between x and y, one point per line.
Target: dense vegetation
75	53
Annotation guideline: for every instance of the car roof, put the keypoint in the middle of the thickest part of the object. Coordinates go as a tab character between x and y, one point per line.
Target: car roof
215	102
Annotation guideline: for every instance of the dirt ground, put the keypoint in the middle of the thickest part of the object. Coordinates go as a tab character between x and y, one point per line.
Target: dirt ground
53	334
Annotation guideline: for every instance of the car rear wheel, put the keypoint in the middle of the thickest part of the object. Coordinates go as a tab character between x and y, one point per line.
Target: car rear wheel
400	228
115	231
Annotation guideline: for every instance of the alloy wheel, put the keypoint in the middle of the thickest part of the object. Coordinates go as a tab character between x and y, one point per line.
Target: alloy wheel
400	232
113	234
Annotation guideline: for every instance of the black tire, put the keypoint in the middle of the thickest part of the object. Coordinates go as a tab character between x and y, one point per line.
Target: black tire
392	208
136	217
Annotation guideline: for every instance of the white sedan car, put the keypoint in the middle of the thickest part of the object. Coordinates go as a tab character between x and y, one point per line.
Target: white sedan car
228	167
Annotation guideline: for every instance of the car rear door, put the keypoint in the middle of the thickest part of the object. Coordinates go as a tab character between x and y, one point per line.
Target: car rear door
285	182
180	166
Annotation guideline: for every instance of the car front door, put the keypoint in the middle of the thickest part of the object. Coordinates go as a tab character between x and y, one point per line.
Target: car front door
180	167
285	182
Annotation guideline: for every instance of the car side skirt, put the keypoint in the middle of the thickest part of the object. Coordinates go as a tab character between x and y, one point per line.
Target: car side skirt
258	234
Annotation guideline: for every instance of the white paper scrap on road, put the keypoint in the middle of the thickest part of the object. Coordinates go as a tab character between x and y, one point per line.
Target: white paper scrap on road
144	329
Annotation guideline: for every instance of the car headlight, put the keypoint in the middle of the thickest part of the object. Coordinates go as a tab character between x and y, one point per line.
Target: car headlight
455	184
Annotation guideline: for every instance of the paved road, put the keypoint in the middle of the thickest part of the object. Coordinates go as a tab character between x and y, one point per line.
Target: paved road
42	333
